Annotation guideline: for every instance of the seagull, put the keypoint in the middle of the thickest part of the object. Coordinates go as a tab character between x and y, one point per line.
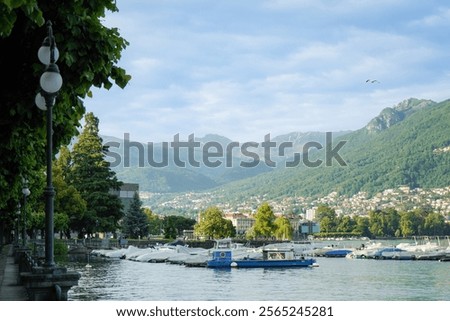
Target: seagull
372	81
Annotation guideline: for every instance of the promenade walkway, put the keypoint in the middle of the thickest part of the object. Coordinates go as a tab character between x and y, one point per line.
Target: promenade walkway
9	290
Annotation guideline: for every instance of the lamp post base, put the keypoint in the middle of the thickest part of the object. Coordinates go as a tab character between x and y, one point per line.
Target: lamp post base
49	283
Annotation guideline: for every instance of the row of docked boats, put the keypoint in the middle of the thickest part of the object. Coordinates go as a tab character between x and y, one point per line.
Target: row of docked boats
225	254
403	251
175	254
422	249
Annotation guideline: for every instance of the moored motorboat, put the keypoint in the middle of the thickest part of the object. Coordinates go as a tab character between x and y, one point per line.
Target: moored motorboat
332	251
199	260
222	257
337	252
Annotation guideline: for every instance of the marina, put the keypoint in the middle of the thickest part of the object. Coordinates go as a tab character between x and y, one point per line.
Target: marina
338	279
177	272
425	249
416	249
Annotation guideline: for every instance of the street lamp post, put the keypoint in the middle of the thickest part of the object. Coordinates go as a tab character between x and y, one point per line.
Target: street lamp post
49	282
50	83
26	192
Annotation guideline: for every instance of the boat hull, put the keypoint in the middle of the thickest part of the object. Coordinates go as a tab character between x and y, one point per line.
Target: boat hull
337	253
261	263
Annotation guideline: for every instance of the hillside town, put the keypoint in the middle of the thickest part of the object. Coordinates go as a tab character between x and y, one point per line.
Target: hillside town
401	198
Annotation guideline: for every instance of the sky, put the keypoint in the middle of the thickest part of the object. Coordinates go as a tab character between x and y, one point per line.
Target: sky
244	69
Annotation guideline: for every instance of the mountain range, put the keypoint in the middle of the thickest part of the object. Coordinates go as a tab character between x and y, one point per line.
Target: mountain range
407	144
213	161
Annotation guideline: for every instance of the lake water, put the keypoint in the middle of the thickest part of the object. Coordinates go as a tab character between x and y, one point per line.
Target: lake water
336	279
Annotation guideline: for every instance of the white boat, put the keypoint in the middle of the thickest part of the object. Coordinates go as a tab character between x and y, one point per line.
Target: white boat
366	251
196	260
160	256
333	251
184	253
117	253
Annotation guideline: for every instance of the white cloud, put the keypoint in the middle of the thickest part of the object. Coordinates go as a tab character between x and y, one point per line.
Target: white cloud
341	7
439	19
247	69
144	65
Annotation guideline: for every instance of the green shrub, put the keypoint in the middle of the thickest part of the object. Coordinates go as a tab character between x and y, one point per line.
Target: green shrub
60	248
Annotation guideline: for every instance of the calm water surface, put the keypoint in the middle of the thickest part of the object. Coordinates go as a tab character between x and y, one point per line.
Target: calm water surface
335	279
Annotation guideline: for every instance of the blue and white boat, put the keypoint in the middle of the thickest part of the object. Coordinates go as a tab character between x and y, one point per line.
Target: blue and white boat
331	251
222	257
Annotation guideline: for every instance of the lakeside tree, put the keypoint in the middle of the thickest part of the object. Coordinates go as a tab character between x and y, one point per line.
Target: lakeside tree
61	221
89	54
68	199
135	222
384	222
212	224
181	223
361	226
391	221
155	223
387	222
264	222
93	178
434	224
345	224
376	226
170	229
406	224
323	211
283	228
327	218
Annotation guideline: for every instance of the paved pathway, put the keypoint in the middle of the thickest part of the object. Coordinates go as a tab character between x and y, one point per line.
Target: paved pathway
9	290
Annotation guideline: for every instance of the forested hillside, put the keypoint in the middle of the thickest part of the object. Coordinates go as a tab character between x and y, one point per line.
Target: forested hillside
413	150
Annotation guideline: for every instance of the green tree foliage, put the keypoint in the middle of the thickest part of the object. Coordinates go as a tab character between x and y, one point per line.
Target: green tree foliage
434	224
413	222
327	218
384	222
250	233
391	221
89	53
61	248
61	223
212	224
68	199
361	226
180	223
229	229
170	228
94	179
155	223
264	221
37	223
135	222
327	225
407	225
283	228
345	224
323	211
387	222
